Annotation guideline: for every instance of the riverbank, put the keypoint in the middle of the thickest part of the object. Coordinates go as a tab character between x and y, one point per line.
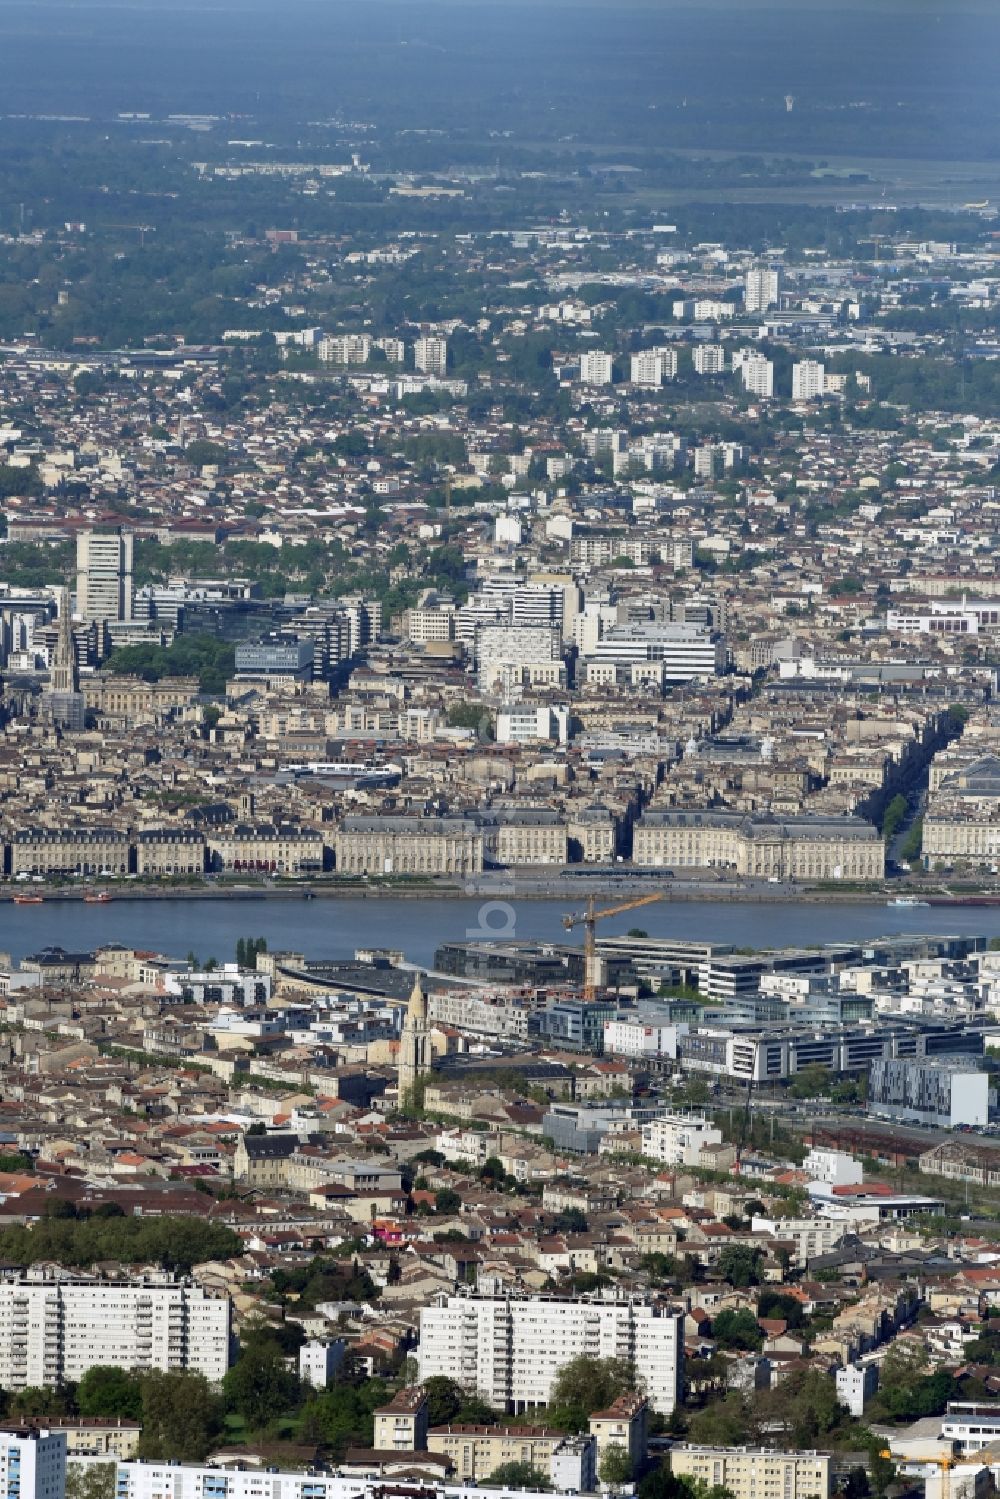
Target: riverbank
524	886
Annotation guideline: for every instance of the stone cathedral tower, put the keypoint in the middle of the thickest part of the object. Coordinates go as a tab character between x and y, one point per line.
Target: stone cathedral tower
415	1041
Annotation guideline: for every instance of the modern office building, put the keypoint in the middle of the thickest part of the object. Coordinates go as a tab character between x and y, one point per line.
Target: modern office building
104	575
54	1326
945	1092
687	651
509	1350
262	659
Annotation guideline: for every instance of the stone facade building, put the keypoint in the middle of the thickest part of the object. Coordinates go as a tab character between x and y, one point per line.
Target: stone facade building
84	850
761	846
409	845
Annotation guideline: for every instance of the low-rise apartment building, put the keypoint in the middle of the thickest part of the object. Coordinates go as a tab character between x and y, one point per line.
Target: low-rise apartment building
754	1472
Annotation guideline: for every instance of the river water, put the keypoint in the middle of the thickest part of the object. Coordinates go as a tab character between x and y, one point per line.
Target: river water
333	927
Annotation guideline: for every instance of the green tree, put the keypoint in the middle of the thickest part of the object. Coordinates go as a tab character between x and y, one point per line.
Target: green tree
894	815
16	1161
774	1304
95	1481
34	1401
725	1423
739	1264
175	1243
444	1399
259	1387
570	1221
203	453
342	1416
447	1201
516	1475
106	1390
913	842
616	1465
808	1406
737	1329
585	1385
180	1416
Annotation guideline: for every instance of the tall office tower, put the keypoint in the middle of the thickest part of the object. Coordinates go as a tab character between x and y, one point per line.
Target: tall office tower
808	380
104	575
430	356
763	288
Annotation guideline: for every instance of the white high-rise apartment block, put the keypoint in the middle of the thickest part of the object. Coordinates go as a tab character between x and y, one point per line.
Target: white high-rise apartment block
596	368
160	1478
598	442
758	376
345	348
645	368
394	349
430	356
509	1350
32	1463
104	575
763	288
709	359
163	1479
808	380
653	366
53	1328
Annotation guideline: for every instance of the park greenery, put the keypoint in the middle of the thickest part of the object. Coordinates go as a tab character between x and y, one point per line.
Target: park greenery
75	1237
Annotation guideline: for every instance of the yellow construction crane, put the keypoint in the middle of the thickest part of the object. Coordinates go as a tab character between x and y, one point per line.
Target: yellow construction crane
945	1463
588	920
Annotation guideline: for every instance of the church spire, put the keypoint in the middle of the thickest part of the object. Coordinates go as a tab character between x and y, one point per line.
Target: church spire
414	1042
62	674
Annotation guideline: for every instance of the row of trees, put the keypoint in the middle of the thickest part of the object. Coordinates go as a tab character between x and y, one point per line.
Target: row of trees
73	1237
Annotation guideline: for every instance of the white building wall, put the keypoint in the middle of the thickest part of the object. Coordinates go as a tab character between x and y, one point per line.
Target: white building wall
509	1352
52	1332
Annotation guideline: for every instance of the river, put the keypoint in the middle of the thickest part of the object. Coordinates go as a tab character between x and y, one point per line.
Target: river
333	927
